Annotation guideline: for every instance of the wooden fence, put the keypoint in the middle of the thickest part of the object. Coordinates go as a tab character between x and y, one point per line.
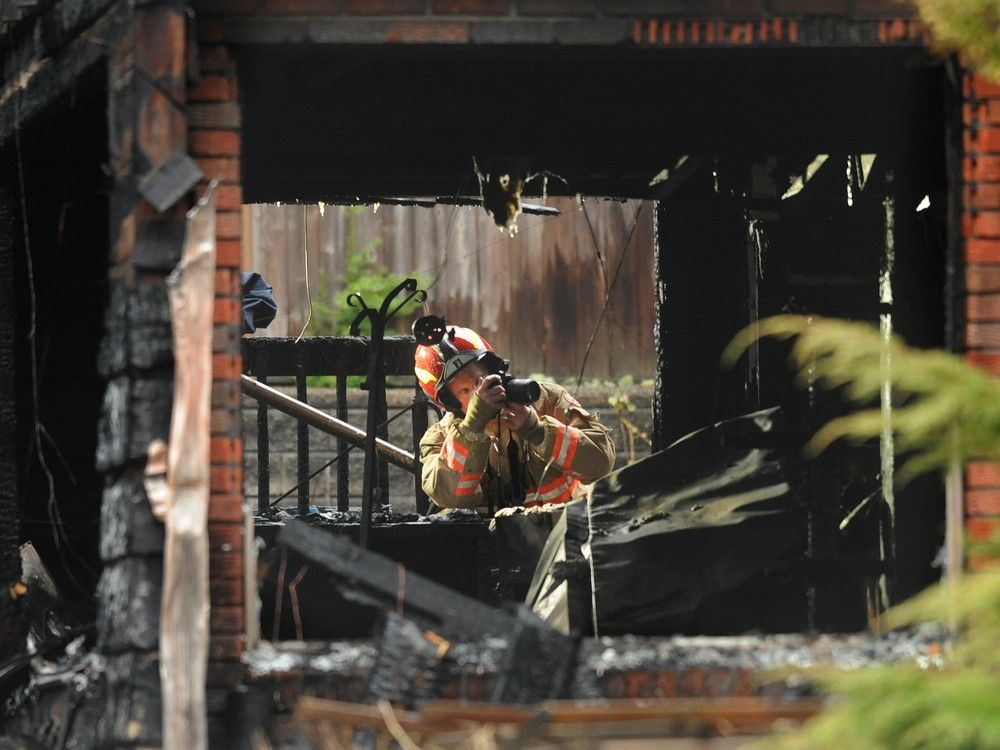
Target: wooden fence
537	296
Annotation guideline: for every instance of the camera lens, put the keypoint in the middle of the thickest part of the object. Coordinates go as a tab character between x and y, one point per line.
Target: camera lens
521	390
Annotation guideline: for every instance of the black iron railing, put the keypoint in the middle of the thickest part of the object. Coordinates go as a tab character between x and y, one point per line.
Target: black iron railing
340	358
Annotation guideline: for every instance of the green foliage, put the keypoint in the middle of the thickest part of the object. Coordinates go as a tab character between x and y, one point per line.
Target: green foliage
948	411
945	409
362	275
969	26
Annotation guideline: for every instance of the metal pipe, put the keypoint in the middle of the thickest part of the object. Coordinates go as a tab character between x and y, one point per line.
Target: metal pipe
325	423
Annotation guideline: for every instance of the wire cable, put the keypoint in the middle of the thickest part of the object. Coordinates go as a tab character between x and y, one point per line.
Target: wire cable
607	297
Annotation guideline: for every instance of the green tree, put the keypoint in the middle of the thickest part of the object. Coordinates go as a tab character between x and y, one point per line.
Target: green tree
969	27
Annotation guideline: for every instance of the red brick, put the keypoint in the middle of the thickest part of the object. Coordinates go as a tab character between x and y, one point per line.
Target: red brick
227	281
227	197
987	112
228	226
226	450
226	479
226	393
213	88
226	620
982	528
214	115
427	32
226	647
227	253
981	169
225	565
982	278
980	307
982	195
225	537
222	592
226	311
225	508
982	502
224	421
982	251
471	7
981	88
385	7
986	140
983	335
214	143
215	59
984	360
225	367
223	169
981	224
225	338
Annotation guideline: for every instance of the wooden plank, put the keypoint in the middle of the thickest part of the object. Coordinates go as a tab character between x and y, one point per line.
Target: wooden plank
184	618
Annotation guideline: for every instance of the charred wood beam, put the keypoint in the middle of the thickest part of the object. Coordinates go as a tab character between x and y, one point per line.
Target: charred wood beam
538	660
44	74
385	583
313	417
10	560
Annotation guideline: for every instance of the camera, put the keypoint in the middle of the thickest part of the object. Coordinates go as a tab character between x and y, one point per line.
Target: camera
519	390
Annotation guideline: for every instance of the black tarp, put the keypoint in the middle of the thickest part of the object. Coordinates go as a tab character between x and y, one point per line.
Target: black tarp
689	539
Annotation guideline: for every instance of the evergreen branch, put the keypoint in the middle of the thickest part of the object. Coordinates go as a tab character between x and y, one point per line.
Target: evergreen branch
944	408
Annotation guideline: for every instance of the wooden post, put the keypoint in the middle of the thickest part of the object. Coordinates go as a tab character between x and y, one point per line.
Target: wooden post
184	612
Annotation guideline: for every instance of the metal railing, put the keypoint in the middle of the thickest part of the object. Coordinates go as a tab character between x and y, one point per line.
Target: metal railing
340	358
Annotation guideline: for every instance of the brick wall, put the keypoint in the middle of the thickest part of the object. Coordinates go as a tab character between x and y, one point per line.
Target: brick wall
981	230
675	22
214	142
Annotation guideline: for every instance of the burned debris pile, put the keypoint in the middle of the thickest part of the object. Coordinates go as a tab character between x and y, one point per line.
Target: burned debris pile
688	540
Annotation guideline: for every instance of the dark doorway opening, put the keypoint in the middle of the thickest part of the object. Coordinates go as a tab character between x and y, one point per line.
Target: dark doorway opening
60	281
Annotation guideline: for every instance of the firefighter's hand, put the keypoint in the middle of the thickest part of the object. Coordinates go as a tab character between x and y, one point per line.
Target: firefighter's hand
517	416
490	391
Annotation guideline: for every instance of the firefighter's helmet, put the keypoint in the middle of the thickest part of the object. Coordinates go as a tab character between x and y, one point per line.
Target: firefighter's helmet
436	364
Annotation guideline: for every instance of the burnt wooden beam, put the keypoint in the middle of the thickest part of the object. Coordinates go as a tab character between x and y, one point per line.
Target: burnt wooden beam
538	661
53	69
384	582
10	528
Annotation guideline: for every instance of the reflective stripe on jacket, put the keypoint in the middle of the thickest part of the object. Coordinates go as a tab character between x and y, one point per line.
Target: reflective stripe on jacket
466	469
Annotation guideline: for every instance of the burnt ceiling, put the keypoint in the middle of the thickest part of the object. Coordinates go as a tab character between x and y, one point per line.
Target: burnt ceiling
324	122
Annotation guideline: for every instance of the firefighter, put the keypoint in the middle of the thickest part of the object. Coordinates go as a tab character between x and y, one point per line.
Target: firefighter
504	442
